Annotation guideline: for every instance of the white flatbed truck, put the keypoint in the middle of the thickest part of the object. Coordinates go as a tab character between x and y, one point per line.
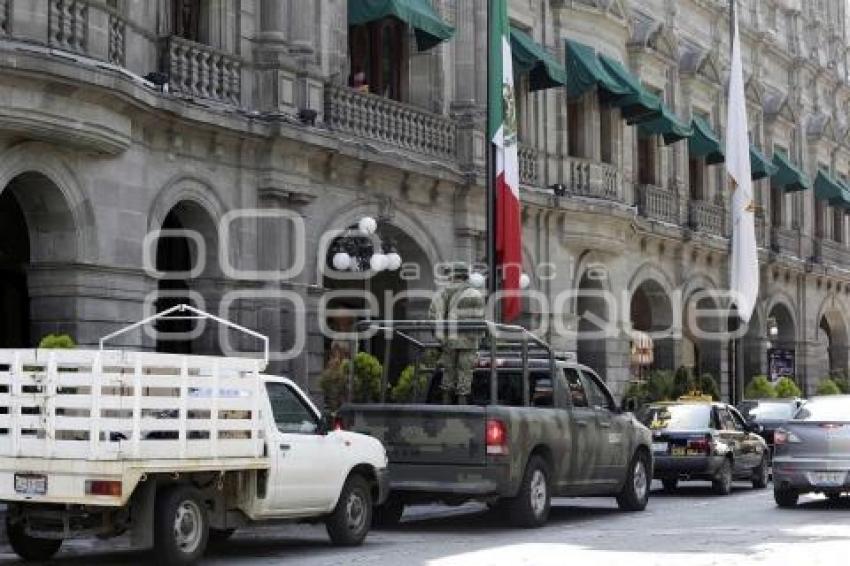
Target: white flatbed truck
172	449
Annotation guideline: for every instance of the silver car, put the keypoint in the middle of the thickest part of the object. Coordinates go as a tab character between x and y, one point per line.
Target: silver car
812	452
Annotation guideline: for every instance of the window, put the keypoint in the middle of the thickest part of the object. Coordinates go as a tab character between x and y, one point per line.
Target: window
646	160
510	391
290	412
777	196
598	394
696	177
740	424
606	134
820	211
186	21
523	108
574	128
376	52
675	417
837	224
726	420
576	388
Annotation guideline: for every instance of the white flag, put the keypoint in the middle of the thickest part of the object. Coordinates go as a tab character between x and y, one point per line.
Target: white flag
744	269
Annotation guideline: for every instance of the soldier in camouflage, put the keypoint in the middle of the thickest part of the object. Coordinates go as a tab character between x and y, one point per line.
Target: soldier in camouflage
458	301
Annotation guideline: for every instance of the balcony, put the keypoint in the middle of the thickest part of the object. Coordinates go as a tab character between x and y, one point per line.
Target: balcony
389	122
706	217
832	252
201	71
658	204
528	166
785	241
592	178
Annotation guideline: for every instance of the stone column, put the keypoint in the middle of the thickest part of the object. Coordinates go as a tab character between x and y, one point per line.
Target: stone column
273	18
302	26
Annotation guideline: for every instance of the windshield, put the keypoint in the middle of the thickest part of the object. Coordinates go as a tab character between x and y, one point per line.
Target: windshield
769	411
836	409
676	417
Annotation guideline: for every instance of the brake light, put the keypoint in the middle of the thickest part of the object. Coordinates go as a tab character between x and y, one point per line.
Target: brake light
103	487
781	437
337	423
496	437
699	445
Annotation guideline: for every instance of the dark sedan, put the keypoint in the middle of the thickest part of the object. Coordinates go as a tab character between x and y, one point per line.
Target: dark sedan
770	414
813	451
699	440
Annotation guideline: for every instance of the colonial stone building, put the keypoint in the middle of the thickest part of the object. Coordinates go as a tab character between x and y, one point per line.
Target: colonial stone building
123	121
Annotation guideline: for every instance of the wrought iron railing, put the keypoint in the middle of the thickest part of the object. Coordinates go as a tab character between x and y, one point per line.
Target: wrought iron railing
389	122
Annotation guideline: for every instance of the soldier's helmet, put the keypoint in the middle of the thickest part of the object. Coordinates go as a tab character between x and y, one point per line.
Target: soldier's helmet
457	271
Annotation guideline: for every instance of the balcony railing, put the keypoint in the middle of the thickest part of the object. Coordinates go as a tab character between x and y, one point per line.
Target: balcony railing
389	122
201	71
786	241
117	40
657	203
68	27
592	178
832	252
528	165
706	217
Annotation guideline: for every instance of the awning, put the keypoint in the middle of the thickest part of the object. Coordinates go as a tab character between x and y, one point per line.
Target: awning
788	176
843	201
419	14
638	104
827	188
585	72
530	57
667	126
704	143
760	165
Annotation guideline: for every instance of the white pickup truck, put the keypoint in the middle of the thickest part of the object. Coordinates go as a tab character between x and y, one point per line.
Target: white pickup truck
174	449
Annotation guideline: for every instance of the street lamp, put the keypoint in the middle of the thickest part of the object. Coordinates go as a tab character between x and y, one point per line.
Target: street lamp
360	248
772	328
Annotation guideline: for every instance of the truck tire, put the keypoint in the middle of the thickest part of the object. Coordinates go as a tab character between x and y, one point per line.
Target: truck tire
722	482
181	526
350	520
761	474
30	549
389	514
635	493
785	498
530	508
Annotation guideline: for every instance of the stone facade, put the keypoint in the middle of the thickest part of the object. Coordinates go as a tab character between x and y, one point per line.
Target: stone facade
95	157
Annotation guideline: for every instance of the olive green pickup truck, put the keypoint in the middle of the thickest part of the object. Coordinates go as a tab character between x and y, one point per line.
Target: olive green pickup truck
549	428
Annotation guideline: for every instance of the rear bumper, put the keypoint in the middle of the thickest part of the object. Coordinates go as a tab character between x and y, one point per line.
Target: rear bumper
799	474
473	481
684	467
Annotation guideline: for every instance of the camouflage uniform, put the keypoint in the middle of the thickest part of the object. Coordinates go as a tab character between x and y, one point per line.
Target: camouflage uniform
457	302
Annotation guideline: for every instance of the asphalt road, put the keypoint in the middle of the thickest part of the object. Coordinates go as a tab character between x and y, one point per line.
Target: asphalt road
691	527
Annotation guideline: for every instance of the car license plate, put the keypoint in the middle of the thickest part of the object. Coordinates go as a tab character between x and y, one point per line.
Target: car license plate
659	447
31	484
678	451
827	479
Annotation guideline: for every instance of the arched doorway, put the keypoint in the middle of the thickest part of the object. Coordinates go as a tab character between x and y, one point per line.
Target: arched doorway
37	227
702	339
783	352
187	231
754	347
833	336
652	312
593	321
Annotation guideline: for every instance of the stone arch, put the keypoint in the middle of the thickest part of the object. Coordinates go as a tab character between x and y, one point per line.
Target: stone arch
652	310
832	334
781	303
703	322
28	160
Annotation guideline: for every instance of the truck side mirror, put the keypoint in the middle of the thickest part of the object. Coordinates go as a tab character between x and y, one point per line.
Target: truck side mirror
326	424
630	405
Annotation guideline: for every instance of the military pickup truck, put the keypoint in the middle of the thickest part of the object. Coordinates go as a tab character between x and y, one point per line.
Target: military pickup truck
536	426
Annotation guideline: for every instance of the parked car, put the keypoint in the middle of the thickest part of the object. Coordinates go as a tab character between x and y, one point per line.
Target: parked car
241	447
704	440
770	414
547	427
813	451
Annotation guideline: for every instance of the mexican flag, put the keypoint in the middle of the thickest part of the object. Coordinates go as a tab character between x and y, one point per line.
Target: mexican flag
502	131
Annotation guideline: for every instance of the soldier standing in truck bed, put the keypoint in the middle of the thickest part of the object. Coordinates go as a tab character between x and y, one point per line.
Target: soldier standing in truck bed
458	301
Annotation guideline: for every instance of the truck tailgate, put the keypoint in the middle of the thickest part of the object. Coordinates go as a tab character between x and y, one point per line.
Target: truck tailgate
423	434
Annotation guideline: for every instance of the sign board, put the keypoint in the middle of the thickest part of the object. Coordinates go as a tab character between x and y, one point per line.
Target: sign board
780	363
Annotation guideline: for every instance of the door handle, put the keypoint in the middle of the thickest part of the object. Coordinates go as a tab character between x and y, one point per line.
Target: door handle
605	425
285	447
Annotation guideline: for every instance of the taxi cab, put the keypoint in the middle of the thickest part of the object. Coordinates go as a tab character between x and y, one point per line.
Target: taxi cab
695	438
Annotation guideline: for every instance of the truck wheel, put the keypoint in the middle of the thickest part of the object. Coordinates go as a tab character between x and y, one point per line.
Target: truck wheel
722	483
635	494
30	549
761	475
389	514
181	526
349	523
785	498
670	484
530	508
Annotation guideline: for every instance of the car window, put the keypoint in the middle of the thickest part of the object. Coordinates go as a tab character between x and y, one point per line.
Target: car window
740	424
542	391
768	411
510	388
825	410
726	420
577	392
676	417
597	395
290	412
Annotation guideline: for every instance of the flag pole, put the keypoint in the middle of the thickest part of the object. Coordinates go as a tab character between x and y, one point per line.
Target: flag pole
490	184
733	358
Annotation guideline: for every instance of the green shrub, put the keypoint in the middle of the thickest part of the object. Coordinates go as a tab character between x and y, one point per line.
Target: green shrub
842	380
708	386
658	386
57	342
787	389
828	387
367	381
760	387
406	387
683	382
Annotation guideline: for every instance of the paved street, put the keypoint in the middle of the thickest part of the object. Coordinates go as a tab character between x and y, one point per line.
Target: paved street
692	527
